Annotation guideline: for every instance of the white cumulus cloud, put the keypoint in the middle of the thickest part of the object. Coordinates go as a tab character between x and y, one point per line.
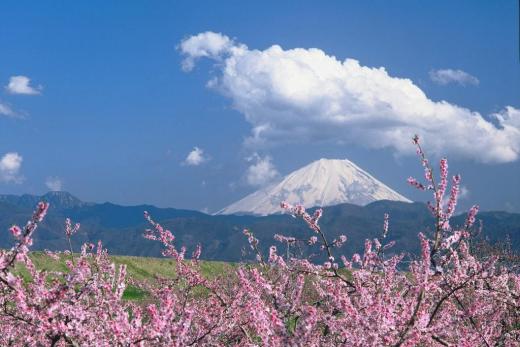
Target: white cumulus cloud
54	184
10	165
195	157
22	85
447	76
207	44
306	95
261	171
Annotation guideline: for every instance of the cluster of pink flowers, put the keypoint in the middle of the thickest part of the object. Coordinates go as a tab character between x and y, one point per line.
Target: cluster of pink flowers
385	225
69	229
445	297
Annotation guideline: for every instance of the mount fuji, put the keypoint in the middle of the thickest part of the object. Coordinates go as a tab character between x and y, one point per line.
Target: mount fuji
324	182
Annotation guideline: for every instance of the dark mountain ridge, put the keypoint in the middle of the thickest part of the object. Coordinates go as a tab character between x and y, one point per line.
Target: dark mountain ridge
120	228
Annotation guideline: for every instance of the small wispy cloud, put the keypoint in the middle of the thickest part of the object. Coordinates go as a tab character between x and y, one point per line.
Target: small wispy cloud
5	110
22	85
464	192
262	171
195	157
10	165
447	76
206	45
54	184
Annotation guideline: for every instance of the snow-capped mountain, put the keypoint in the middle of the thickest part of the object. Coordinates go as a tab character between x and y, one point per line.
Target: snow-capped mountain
324	182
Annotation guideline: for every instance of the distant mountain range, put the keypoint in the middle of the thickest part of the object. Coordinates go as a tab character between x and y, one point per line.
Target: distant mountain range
60	200
120	228
325	182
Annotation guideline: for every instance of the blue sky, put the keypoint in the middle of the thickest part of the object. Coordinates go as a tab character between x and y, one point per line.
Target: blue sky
109	114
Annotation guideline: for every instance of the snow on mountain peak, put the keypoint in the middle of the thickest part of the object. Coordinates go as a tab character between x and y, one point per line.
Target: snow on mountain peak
324	182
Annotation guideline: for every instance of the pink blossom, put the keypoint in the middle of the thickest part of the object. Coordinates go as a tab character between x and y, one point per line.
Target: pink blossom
470	220
385	225
69	229
16	231
312	240
412	181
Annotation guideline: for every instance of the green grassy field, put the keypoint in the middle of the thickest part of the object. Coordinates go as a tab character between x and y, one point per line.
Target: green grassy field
138	268
145	269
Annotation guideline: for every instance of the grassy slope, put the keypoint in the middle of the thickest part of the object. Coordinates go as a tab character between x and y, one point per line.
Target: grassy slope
138	268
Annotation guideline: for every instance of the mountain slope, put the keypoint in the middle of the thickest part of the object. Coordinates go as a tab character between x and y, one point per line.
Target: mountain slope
325	182
59	200
121	228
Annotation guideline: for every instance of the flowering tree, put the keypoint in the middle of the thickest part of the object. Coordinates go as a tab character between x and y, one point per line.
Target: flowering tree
445	297
76	307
